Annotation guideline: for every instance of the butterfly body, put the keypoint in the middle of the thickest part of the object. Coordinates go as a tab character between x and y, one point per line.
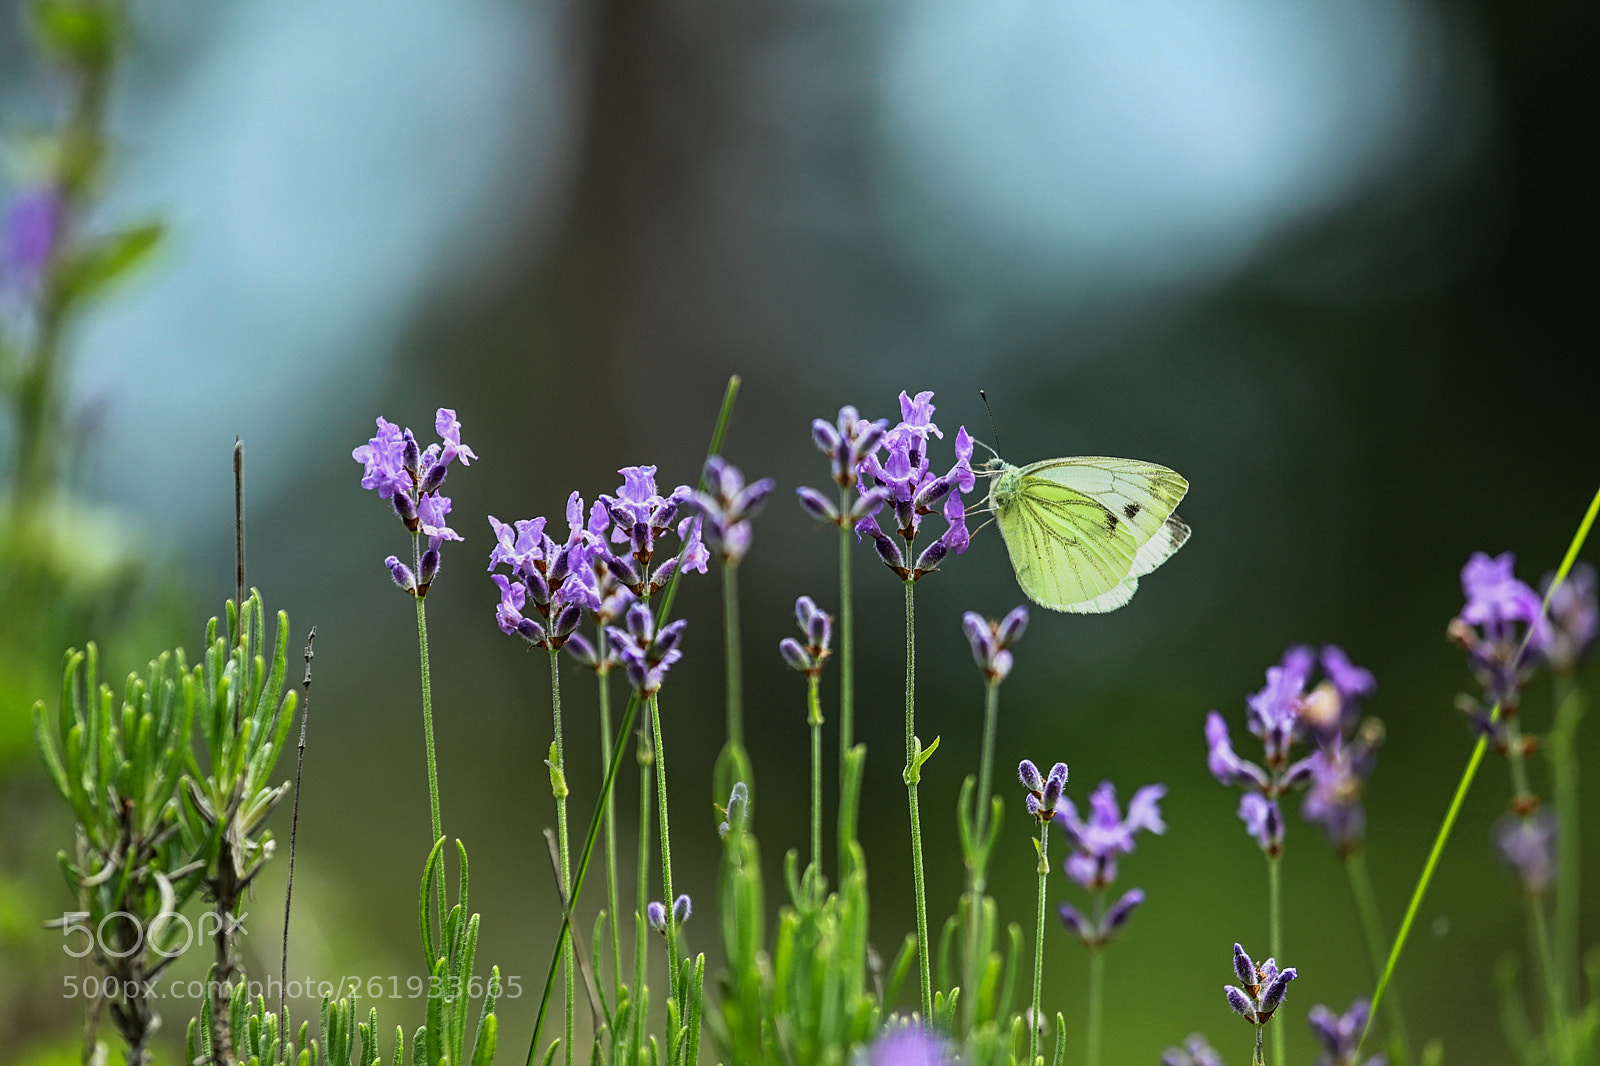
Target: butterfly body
1081	531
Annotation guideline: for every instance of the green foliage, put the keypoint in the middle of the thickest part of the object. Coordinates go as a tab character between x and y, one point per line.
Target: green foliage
450	947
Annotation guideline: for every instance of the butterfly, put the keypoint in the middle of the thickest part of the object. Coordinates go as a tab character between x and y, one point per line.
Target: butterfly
1082	531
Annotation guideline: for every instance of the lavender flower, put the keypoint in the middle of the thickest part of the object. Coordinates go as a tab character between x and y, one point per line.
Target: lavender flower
1264	987
29	233
656	914
728	507
555	580
1575	618
1195	1052
1098	841
1503	630
1284	714
1527	844
991	641
640	516
910	1045
1096	844
1340	1036
1044	793
644	652
912	491
411	479
817	627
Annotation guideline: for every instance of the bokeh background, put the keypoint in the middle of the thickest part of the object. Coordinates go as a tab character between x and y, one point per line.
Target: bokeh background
1335	263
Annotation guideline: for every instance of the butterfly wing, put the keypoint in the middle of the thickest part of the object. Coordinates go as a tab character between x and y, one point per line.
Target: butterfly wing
1082	531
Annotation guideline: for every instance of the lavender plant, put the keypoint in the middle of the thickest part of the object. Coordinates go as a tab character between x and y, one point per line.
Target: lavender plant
1259	994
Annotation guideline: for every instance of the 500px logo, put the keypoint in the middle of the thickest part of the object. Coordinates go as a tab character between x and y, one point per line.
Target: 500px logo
111	937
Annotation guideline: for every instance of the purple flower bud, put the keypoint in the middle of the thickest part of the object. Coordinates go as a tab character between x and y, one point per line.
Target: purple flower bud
538	587
794	655
428	567
1117	916
931	556
1196	1051
1075	922
1238	1001
867	503
641	623
531	631
656	915
432	478
1243	968
930	494
1054	784
817	505
401	573
667	640
410	455
1273	995
1012	626
826	437
406	508
1032	780
1036	807
567	621
580	649
888	551
1528	847
1263	821
869	439
680	910
1339	1036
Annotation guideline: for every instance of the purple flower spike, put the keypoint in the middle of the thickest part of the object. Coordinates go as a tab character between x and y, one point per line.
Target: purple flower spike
1042	800
1503	630
1098	840
1528	847
1263	821
908	1046
1340	1037
1264	987
558	582
394	467
644	653
728	506
1196	1051
991	641
1575	618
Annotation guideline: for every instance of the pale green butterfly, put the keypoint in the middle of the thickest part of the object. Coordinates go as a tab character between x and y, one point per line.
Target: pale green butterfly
1082	531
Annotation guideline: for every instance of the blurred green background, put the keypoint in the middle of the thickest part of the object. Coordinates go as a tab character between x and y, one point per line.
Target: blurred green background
1335	264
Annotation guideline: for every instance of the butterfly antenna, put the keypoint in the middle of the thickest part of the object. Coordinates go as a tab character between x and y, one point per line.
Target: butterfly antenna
992	431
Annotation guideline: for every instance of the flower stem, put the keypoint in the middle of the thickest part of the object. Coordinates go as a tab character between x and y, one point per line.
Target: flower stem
1038	946
847	694
641	924
666	852
978	860
913	774
1355	864
730	626
814	719
1275	934
427	709
1563	749
611	819
1097	991
1539	934
558	778
1260	1057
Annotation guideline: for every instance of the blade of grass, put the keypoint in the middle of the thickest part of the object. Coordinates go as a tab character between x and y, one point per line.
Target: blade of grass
1471	771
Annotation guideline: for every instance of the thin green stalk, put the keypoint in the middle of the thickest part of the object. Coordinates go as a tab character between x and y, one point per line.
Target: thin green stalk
814	720
913	774
558	781
1539	934
1275	935
612	896
847	692
641	925
1467	775
1563	751
730	626
1355	865
628	715
1260	1057
1097	991
427	705
977	862
1038	946
666	852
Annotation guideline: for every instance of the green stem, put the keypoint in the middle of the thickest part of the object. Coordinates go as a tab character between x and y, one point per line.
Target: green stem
1275	934
1355	864
427	708
1097	991
1539	934
1260	1056
666	852
612	896
1467	775
730	625
847	694
641	924
559	780
1038	946
913	774
1563	751
814	719
978	861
